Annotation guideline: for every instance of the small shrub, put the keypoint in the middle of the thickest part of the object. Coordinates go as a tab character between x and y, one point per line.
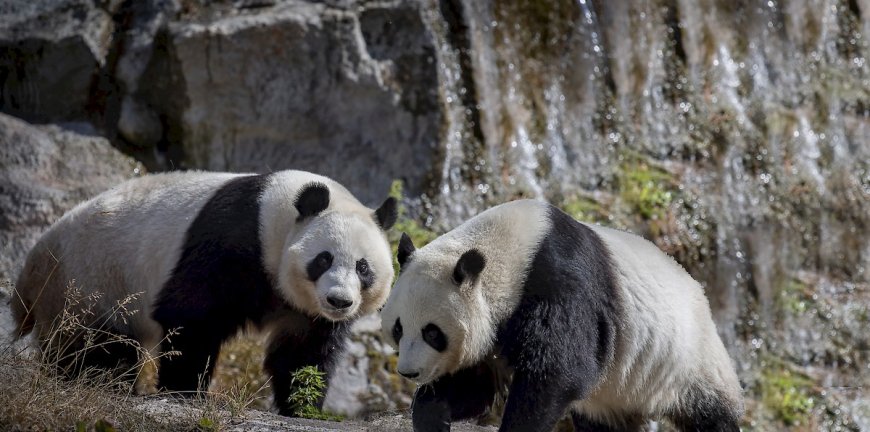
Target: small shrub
206	424
307	387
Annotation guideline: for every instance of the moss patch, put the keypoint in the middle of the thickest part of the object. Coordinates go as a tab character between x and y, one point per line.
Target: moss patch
795	297
647	190
787	394
584	209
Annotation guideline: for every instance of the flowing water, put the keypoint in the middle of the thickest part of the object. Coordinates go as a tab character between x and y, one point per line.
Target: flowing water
736	134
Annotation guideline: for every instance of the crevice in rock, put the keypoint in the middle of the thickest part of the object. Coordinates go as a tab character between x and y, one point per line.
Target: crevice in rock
104	104
675	31
163	90
457	36
453	13
855	8
606	71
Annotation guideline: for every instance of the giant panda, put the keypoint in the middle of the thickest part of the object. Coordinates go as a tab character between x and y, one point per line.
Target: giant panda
567	318
196	256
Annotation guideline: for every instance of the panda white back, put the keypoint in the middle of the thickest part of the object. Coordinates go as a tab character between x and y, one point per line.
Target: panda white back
667	340
123	242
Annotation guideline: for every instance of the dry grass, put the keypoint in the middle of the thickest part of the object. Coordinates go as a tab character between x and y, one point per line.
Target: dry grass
34	397
52	390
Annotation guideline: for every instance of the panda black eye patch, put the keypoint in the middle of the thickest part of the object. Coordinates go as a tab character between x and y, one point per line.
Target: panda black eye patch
366	276
397	331
433	336
319	265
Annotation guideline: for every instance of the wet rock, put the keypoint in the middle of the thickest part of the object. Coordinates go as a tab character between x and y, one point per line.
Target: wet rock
45	171
50	54
365	381
347	92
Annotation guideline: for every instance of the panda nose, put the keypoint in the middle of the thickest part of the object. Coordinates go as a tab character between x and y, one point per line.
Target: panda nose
409	374
339	302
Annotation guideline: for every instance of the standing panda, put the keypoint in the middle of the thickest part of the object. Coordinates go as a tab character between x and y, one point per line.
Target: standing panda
566	317
199	255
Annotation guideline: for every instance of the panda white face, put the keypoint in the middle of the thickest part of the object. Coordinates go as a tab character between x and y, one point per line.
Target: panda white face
339	266
436	317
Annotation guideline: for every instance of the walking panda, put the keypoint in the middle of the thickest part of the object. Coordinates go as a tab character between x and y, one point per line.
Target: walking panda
564	316
204	254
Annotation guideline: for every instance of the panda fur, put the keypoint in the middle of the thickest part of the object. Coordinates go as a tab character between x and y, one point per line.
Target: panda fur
204	254
567	317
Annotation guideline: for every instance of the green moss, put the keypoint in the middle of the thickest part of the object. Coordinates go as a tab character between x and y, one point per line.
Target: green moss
794	297
307	386
206	424
418	233
646	189
584	209
789	395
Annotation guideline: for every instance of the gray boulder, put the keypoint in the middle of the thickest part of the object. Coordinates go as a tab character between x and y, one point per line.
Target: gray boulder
350	92
51	52
44	172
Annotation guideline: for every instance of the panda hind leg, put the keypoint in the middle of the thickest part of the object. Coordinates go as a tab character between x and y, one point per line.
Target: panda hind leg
583	423
188	360
706	411
93	350
707	422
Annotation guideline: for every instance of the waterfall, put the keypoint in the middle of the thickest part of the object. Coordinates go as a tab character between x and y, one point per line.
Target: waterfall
754	115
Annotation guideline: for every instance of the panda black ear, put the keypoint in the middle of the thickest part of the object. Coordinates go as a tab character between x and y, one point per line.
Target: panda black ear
313	199
406	248
387	214
469	266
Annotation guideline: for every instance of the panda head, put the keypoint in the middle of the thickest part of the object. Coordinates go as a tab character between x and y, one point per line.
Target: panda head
338	264
436	316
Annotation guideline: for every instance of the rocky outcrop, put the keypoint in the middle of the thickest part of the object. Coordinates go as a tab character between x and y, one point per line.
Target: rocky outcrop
51	53
45	171
347	92
347	89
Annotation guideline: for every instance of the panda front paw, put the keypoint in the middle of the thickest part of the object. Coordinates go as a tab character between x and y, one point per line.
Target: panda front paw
430	413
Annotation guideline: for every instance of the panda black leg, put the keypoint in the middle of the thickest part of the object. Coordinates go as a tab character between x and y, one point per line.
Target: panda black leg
584	424
298	343
535	403
709	411
707	423
191	369
466	394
